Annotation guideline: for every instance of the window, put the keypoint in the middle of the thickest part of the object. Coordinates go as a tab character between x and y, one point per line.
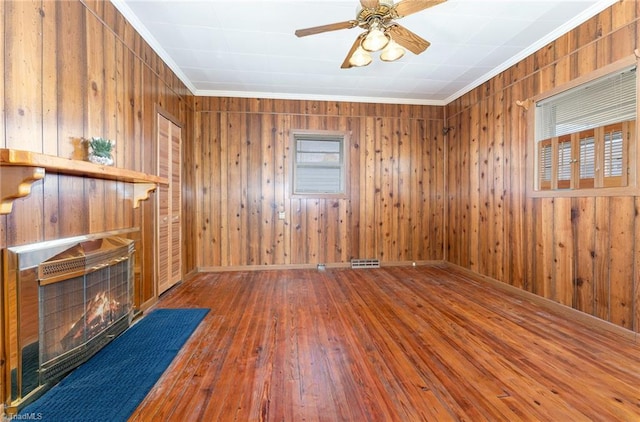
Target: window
320	163
584	135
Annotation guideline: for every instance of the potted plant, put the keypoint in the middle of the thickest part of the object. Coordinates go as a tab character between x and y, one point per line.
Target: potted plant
100	151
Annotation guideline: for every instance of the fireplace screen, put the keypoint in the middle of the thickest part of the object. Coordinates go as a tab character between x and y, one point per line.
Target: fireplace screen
71	299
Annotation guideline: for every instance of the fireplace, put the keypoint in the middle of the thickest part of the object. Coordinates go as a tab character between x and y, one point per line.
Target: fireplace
65	300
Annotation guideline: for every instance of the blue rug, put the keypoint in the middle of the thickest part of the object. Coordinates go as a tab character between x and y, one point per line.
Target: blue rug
110	385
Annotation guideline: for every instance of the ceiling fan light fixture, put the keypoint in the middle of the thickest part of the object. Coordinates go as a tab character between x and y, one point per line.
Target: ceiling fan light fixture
377	19
392	52
375	40
360	57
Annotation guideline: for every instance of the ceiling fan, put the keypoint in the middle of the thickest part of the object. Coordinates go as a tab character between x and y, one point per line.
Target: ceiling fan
382	33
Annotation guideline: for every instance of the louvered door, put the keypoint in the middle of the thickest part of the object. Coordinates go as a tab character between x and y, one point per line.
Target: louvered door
169	250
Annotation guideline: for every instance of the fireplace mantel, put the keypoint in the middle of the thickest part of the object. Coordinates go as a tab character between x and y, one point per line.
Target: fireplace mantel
21	169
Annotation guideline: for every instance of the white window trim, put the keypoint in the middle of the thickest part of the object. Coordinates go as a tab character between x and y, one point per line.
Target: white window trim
346	142
632	187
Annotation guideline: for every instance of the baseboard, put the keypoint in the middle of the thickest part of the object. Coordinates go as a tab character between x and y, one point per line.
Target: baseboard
190	274
551	306
148	304
309	266
235	268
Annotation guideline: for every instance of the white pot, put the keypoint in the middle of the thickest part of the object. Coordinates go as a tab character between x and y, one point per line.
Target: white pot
105	161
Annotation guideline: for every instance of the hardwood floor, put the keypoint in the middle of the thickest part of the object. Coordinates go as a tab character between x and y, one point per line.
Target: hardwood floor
389	344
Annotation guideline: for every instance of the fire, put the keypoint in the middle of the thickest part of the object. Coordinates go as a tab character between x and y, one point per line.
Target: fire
99	312
99	309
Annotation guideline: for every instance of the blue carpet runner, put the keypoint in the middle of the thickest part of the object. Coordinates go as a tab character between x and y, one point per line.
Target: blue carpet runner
110	385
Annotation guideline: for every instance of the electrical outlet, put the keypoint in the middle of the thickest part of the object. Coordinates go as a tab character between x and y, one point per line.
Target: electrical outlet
281	215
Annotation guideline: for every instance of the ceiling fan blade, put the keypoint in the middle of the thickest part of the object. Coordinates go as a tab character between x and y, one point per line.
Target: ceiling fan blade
370	4
408	39
408	7
326	28
354	47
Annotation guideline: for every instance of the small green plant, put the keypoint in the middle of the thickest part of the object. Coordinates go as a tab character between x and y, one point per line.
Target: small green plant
101	147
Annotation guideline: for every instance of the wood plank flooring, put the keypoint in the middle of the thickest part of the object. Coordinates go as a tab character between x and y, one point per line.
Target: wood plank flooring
392	344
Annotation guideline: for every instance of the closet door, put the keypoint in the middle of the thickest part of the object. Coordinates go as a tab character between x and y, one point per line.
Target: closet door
176	205
169	248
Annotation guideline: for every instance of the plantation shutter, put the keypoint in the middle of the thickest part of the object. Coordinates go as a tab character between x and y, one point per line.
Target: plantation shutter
545	163
564	162
587	158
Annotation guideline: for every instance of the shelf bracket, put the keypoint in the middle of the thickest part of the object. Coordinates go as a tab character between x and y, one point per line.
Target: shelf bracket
15	183
141	192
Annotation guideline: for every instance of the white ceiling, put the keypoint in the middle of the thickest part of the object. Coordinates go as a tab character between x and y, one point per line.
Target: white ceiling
243	48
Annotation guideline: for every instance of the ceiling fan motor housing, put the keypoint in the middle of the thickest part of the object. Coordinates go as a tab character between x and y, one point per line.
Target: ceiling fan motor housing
384	13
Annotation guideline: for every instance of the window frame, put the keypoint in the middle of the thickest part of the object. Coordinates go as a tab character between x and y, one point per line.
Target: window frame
631	160
344	137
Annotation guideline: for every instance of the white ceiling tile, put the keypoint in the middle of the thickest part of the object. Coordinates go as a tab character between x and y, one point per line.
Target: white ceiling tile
197	13
190	37
248	47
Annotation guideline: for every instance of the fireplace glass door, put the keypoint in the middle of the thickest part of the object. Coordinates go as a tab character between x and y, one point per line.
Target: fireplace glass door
71	297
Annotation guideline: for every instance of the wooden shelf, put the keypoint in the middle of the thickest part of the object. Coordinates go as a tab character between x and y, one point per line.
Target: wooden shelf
53	164
20	169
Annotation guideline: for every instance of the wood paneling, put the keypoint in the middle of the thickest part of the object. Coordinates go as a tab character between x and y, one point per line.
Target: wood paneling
394	210
581	252
63	83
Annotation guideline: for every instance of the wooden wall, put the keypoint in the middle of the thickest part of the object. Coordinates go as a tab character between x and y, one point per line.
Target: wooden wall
581	252
73	70
395	209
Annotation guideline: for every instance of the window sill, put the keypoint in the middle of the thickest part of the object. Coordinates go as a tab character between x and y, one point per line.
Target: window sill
319	196
580	193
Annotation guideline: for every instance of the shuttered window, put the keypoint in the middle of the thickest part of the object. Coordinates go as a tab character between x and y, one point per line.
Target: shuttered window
583	135
319	166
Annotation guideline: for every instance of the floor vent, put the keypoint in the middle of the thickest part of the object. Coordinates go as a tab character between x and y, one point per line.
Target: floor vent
365	263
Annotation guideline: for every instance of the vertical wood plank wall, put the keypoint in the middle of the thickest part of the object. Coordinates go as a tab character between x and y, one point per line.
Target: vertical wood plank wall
72	70
581	252
395	209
